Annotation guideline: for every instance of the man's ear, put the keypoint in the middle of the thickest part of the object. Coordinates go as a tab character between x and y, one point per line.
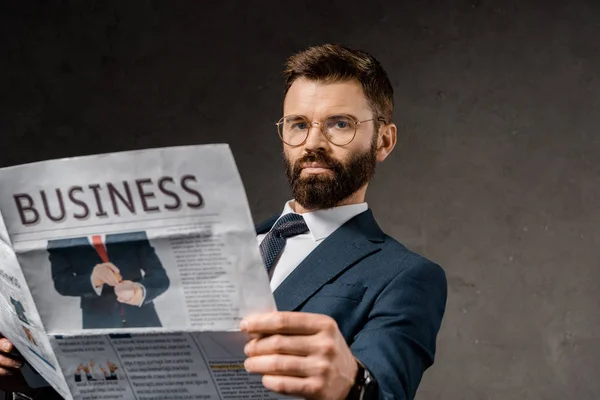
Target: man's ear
386	141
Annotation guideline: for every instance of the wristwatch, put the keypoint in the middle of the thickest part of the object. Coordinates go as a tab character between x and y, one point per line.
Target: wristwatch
365	385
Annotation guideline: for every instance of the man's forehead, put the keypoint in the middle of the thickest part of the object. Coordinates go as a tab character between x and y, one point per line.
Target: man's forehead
309	96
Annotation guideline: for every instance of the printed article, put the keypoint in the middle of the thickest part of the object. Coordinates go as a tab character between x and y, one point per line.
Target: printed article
20	321
175	366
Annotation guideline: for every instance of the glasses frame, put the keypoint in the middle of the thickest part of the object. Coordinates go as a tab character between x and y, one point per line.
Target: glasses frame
320	125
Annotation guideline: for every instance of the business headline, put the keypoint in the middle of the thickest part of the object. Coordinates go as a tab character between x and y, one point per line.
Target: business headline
79	202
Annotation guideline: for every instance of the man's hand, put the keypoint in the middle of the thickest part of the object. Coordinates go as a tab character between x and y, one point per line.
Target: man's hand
11	378
129	292
105	273
300	354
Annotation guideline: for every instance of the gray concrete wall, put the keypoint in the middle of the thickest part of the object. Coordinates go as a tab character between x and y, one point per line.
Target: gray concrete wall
496	176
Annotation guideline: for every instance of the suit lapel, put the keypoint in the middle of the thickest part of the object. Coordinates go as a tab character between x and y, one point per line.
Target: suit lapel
353	241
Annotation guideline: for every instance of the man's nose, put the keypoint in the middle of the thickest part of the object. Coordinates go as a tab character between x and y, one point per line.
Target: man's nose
316	138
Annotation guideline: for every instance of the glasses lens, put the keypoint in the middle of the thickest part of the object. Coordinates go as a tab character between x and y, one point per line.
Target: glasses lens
293	130
339	129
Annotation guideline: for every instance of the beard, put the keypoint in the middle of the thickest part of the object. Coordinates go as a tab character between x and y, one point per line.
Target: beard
327	190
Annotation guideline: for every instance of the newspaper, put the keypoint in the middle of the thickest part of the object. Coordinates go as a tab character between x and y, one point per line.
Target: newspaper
125	275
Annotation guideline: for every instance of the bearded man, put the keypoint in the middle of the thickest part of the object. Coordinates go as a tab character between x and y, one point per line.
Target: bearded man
358	313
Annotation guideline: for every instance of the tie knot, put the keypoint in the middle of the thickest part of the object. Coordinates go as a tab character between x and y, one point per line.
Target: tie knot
290	225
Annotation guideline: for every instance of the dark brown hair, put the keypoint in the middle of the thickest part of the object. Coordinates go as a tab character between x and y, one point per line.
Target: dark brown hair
330	63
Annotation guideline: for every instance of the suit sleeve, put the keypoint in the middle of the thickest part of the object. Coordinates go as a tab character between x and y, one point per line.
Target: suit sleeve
66	281
398	342
155	280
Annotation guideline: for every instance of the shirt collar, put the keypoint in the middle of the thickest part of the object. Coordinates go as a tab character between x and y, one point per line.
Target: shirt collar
323	223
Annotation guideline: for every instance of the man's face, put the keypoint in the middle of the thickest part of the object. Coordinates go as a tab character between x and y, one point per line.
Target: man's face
321	174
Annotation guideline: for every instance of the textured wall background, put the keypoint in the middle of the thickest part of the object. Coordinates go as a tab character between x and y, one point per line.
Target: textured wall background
496	176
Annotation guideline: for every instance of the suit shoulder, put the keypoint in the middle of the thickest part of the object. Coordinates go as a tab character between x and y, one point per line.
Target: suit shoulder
127	237
403	258
57	244
400	266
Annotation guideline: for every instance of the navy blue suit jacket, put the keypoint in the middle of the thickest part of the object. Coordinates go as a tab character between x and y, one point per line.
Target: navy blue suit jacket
72	262
388	301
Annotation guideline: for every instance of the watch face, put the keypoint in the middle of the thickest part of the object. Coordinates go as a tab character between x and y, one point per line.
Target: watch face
370	387
367	378
365	385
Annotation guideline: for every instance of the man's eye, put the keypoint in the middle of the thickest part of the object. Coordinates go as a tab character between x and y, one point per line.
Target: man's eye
339	124
299	126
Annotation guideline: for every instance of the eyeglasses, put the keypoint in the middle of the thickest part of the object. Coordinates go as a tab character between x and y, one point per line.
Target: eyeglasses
340	130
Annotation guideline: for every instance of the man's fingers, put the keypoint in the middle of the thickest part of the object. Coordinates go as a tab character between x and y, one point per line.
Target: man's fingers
113	267
124	291
280	344
124	301
108	277
9	362
113	277
123	285
6	345
107	273
101	276
284	365
4	372
126	285
307	388
297	323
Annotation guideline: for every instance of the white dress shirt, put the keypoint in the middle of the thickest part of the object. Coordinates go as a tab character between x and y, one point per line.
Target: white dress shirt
321	224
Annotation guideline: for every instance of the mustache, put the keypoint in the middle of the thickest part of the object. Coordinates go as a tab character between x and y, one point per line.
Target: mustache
317	158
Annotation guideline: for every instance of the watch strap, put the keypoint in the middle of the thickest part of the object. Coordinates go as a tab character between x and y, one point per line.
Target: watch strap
365	385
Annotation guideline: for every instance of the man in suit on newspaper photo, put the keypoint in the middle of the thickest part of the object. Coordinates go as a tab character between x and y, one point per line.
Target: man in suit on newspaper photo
117	277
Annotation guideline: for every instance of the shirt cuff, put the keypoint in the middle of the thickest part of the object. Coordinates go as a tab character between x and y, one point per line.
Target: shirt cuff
143	294
98	289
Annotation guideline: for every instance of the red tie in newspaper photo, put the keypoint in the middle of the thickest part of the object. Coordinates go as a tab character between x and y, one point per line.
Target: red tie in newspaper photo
101	250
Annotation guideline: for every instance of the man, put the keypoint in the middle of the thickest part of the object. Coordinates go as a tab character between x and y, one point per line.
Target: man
358	312
105	271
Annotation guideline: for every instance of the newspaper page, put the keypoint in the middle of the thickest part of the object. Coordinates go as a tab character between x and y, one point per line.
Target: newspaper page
19	320
183	365
139	267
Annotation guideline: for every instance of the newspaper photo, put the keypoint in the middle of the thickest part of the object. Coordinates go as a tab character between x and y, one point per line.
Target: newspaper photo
125	275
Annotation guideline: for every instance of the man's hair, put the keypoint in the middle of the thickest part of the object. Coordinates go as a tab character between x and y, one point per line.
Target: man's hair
331	63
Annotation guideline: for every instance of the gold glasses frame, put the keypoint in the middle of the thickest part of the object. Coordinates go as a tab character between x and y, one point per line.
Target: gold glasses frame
279	125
